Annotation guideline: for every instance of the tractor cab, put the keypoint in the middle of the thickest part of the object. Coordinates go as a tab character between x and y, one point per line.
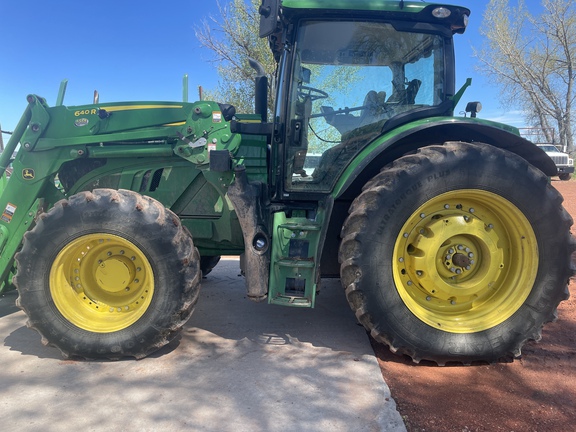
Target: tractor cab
347	77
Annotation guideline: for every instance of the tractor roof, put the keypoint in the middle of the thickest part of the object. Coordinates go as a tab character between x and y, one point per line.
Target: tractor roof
454	17
373	5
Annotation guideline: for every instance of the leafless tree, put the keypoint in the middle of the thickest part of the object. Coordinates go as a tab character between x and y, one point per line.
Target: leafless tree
232	36
531	57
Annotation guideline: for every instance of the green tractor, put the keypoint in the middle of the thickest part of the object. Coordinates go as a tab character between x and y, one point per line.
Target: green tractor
449	240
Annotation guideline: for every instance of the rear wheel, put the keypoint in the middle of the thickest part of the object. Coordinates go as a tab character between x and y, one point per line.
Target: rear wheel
446	256
108	274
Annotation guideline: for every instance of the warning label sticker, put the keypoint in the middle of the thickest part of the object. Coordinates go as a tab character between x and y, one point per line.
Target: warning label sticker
8	213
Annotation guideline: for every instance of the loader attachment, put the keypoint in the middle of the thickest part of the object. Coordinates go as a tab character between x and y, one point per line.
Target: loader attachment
18	201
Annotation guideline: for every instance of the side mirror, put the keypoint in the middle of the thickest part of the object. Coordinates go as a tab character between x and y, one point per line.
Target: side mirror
268	17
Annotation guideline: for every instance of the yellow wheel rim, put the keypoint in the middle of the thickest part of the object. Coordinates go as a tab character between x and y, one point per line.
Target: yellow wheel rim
101	283
465	261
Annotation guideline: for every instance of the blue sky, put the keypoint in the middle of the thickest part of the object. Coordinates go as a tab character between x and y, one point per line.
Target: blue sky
140	50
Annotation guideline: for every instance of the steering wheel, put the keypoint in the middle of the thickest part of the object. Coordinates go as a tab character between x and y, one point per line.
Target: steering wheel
312	93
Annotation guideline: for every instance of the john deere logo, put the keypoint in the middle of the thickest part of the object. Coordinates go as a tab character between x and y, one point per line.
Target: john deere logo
28	174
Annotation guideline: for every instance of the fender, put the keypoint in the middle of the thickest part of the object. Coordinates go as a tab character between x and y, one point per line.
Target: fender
435	130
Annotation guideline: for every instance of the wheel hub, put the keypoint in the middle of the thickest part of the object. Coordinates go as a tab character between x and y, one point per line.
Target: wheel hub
465	260
462	261
101	282
113	275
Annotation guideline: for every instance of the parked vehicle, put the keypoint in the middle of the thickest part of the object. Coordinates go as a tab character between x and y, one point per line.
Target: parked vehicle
564	164
448	239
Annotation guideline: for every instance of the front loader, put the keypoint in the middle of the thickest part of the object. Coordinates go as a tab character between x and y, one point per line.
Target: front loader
450	242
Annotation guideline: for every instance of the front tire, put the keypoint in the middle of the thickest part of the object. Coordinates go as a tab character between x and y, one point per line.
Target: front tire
107	274
459	253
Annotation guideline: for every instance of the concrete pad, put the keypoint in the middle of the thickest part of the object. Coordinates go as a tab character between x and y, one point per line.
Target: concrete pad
238	366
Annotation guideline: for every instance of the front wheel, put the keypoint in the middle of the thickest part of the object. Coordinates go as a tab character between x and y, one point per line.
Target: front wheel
107	274
458	253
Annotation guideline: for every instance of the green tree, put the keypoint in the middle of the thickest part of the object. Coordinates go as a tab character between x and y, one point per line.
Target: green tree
531	57
233	38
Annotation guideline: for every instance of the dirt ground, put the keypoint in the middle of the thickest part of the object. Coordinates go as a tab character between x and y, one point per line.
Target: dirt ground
536	393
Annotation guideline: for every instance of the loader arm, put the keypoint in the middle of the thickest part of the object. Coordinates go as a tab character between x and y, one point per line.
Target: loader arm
23	188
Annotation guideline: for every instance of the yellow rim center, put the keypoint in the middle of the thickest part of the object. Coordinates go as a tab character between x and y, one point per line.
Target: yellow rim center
101	283
465	261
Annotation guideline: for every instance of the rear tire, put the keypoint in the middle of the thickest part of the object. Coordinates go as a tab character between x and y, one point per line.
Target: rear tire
107	274
458	253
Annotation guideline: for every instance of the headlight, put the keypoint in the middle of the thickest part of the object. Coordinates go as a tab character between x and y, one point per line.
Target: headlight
441	12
